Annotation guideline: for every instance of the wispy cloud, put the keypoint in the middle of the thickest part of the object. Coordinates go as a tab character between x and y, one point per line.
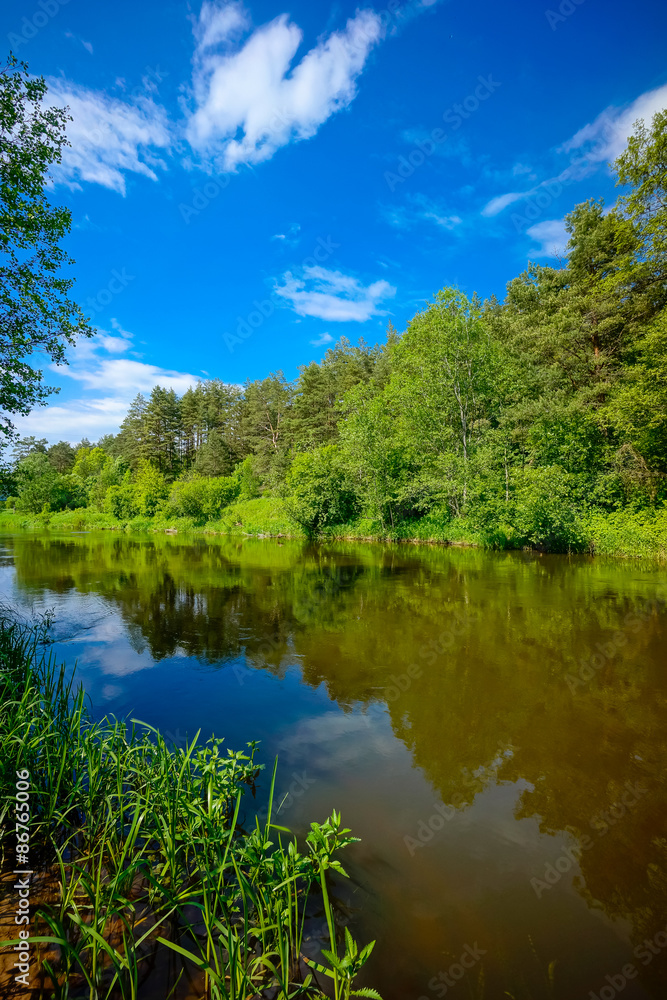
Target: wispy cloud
291	237
334	296
597	143
108	378
325	338
606	137
109	137
496	205
551	235
252	101
88	46
420	208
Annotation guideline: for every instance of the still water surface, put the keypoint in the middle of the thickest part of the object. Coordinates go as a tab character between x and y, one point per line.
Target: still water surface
492	725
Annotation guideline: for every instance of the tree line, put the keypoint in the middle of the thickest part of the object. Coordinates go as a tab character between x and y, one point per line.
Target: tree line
517	417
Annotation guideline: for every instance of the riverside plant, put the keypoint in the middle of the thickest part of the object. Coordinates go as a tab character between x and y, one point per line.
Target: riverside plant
147	865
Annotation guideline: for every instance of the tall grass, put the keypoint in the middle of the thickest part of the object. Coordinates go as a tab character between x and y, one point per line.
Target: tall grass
147	865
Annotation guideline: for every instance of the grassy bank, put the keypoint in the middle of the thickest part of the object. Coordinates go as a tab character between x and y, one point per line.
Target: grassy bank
626	533
146	860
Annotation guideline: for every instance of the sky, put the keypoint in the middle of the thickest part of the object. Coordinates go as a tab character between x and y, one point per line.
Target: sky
250	181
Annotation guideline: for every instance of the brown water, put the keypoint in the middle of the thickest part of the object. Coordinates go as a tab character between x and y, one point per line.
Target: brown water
493	726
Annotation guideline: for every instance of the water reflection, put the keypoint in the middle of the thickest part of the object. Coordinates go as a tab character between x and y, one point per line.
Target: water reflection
491	724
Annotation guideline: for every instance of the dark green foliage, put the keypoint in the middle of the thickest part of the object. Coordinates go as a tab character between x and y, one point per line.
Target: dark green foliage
61	456
36	313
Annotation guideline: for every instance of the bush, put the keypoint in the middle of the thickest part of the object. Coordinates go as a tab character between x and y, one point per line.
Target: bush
546	510
549	509
150	489
41	488
319	493
200	498
120	501
248	479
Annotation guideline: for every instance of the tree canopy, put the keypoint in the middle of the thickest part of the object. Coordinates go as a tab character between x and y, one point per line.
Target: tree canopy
38	319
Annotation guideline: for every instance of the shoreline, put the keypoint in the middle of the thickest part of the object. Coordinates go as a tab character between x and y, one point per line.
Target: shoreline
614	535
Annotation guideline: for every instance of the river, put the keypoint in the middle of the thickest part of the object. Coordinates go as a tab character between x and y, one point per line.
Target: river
493	726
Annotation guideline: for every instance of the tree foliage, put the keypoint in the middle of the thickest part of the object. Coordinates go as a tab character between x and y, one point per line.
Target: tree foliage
37	316
521	418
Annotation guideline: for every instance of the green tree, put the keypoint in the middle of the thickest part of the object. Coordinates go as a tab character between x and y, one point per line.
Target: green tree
88	462
40	487
319	493
36	313
28	445
61	456
643	167
150	489
264	420
213	456
161	429
132	436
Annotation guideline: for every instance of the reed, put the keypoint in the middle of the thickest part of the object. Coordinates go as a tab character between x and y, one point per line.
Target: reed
146	861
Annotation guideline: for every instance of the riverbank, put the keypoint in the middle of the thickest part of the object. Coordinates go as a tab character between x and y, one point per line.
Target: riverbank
148	841
624	533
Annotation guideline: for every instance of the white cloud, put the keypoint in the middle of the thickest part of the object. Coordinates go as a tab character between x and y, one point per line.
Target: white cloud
291	237
253	101
325	338
601	141
248	97
109	384
553	238
88	46
108	137
420	209
332	295
501	202
605	138
219	24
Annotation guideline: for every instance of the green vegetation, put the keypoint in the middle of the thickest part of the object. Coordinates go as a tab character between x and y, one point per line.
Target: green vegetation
537	423
147	853
36	313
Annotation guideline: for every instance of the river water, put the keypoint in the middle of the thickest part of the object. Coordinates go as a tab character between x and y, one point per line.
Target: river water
491	725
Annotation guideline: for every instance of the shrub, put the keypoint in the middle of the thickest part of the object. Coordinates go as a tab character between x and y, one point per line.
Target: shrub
41	488
120	500
549	509
200	498
150	489
319	493
546	510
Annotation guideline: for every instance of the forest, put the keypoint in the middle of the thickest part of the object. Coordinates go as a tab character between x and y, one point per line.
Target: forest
537	422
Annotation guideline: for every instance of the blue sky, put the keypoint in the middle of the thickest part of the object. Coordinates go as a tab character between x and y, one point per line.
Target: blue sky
250	181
